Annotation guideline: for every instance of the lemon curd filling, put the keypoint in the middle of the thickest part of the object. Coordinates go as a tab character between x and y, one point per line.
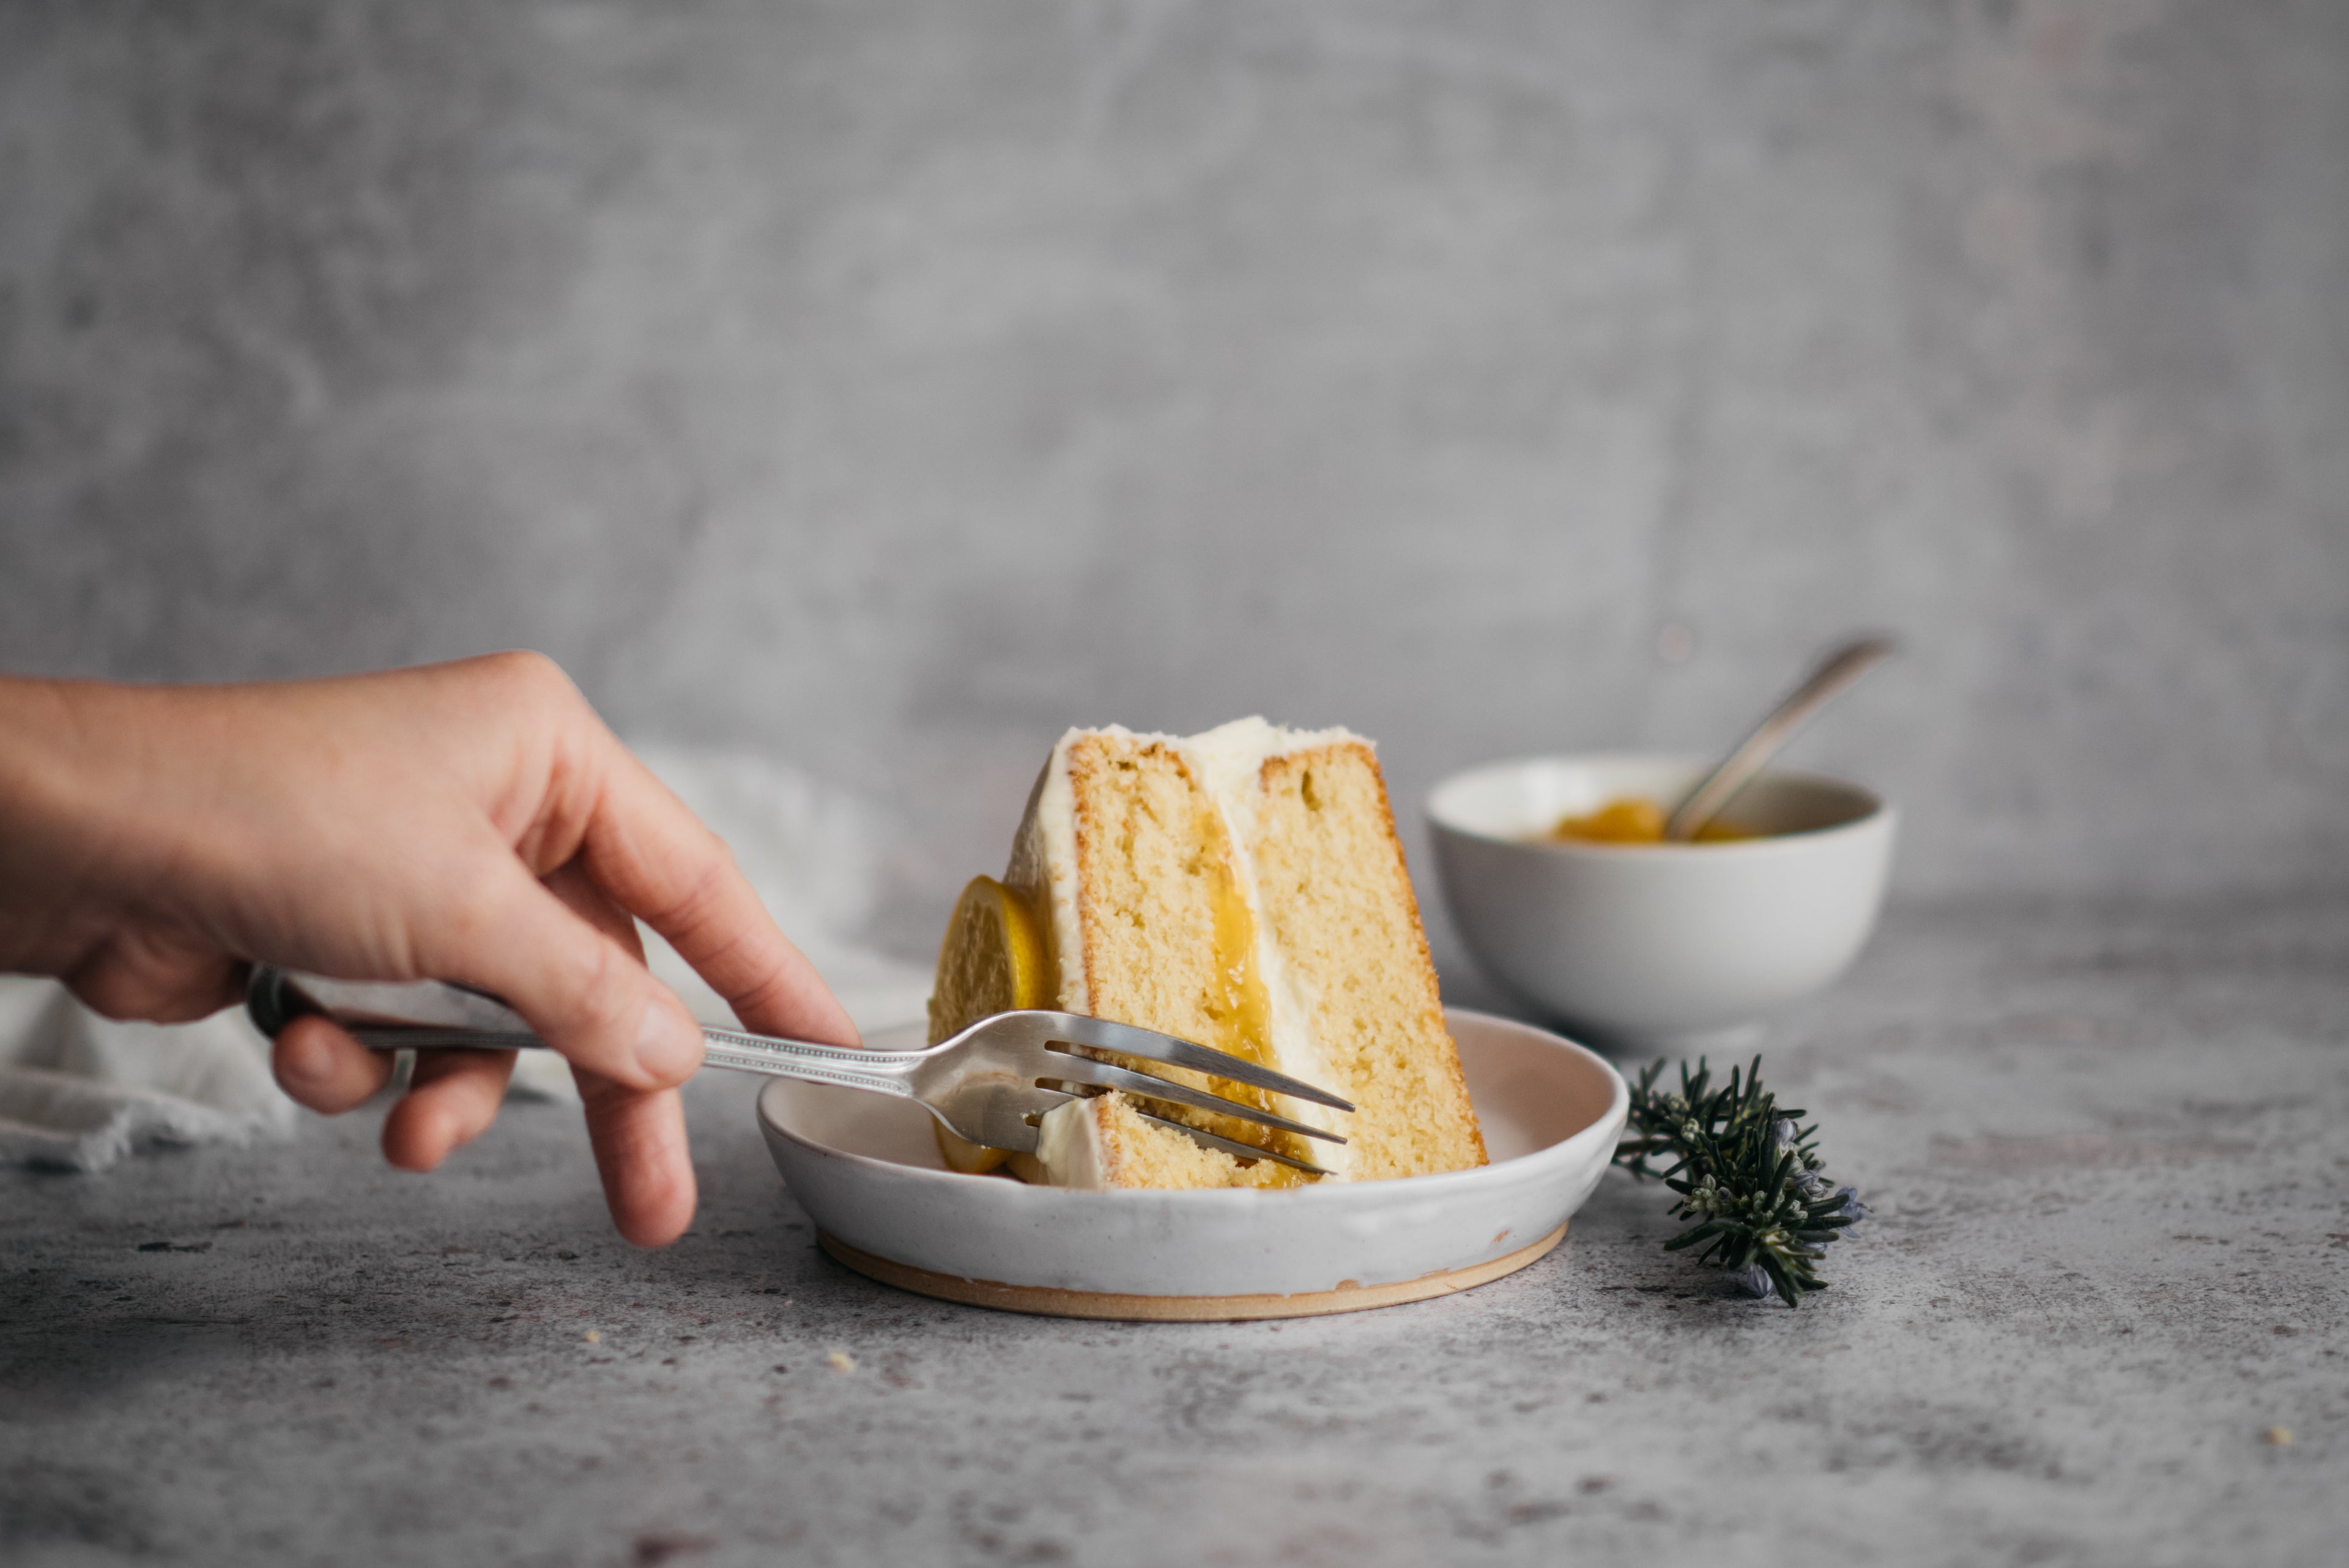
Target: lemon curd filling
1240	1007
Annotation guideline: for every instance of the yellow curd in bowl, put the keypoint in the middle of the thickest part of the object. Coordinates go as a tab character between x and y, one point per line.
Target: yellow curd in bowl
1634	819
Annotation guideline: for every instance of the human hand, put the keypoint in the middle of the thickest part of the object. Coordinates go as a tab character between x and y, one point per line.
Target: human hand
472	822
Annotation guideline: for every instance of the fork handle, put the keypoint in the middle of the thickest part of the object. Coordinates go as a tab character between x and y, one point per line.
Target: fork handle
433	1015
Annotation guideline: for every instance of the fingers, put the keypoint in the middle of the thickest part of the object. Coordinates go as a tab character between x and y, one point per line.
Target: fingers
571	883
584	993
452	1097
655	858
568	960
640	1139
641	1154
320	1066
595	801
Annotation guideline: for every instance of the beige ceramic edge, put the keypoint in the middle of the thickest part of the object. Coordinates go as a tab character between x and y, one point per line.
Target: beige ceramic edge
867	1171
1662	946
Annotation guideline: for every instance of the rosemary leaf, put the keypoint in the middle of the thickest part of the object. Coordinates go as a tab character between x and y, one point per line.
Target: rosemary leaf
1748	1175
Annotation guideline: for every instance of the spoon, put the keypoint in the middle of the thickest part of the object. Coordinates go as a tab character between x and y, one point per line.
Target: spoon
1832	677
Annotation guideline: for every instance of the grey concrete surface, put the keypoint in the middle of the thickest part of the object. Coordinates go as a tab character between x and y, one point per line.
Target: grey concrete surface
2105	1150
883	388
887	386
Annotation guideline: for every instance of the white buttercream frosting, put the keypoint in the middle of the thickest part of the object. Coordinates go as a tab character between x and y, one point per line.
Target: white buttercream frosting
1069	1147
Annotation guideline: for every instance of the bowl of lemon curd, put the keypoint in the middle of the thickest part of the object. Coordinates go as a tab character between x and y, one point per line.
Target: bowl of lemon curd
1556	870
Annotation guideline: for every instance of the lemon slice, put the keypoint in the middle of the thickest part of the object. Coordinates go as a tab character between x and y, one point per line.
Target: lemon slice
992	961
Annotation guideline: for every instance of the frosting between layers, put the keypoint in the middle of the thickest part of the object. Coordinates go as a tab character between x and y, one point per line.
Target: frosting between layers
1231	759
1228	762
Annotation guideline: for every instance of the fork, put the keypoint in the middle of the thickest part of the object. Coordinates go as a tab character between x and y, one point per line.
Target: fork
989	1085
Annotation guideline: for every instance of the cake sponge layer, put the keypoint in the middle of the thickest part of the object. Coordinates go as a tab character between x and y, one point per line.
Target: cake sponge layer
1336	904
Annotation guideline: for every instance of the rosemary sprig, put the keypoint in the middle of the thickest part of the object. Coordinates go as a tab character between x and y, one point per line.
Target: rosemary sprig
1749	1175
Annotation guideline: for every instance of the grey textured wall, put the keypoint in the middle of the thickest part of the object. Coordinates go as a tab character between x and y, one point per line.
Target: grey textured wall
886	387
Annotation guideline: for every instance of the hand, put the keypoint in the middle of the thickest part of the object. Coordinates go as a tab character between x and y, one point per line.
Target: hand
472	822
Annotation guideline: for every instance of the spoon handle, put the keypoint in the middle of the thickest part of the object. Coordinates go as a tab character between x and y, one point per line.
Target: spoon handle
1836	672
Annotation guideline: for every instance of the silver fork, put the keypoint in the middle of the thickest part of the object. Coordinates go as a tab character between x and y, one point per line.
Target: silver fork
990	1085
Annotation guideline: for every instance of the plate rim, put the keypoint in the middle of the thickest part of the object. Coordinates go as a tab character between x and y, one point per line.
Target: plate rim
1433	1184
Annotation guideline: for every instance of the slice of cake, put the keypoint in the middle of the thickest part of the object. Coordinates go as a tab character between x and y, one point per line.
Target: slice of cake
1243	888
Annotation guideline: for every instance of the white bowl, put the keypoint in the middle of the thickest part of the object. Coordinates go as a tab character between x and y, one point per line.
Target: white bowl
1659	946
867	1169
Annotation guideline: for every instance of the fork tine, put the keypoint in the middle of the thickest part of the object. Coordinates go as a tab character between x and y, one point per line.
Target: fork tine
1101	1034
1233	1145
1085	1070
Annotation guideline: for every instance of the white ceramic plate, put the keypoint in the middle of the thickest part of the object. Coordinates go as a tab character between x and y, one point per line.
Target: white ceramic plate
867	1170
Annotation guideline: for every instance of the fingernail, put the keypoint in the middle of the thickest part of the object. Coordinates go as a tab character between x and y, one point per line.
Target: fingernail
668	1044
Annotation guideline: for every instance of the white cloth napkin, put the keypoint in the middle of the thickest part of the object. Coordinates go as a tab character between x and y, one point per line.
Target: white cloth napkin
80	1092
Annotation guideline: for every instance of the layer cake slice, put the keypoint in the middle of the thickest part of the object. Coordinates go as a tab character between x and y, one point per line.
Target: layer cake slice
1244	889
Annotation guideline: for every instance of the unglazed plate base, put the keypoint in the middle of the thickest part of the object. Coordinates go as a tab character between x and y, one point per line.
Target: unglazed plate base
1047	1302
867	1168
